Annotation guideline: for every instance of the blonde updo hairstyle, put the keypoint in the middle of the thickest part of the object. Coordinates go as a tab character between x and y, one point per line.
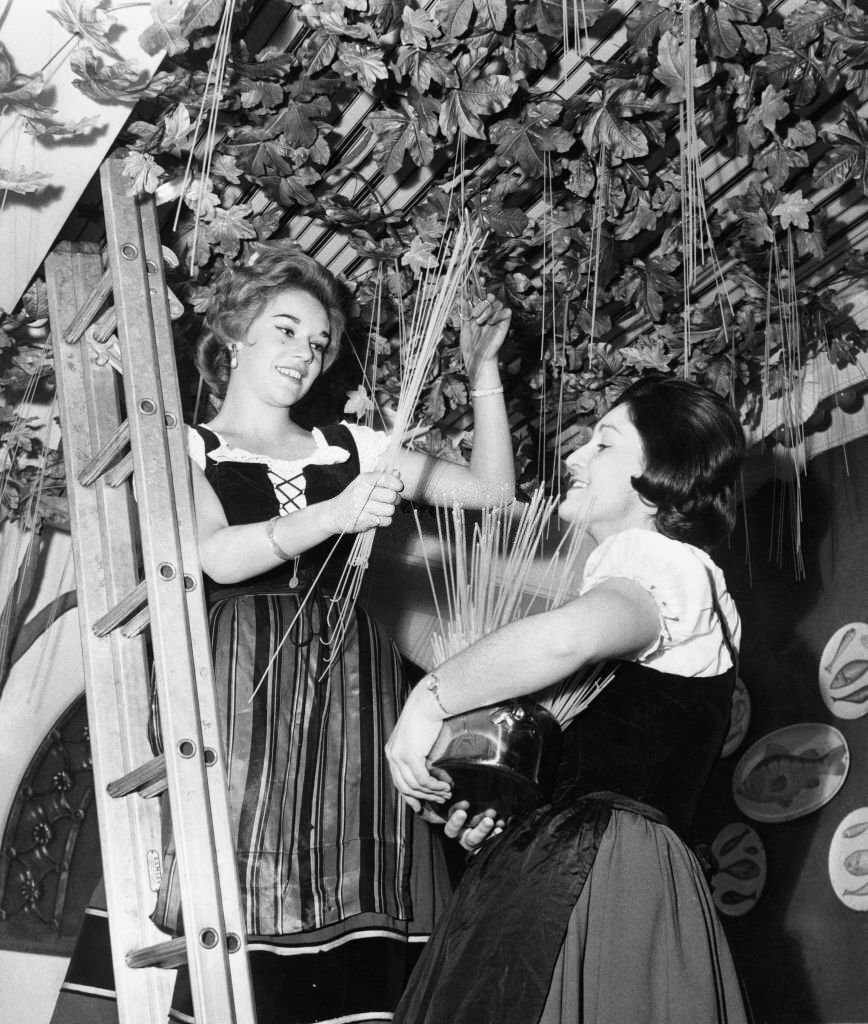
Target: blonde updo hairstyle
240	294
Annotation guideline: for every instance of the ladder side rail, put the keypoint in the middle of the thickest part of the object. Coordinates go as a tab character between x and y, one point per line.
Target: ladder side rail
88	405
208	941
194	592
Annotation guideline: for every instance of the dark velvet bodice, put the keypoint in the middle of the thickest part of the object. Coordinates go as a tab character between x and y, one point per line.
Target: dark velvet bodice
247	496
649	736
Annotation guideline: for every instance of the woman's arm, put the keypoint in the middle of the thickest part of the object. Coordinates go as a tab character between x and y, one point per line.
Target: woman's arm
230	554
616	619
490	477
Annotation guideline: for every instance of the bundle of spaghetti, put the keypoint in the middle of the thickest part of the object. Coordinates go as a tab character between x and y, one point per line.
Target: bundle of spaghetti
498	575
437	293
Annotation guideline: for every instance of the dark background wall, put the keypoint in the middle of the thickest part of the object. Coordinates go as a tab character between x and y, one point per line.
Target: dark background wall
802	952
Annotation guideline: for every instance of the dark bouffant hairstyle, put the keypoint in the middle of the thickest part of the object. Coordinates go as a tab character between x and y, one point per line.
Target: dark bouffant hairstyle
694	445
240	294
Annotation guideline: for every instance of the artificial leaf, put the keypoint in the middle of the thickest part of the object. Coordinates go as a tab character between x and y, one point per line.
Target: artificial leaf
789	67
509	221
267	95
771	108
807	21
637	217
229	228
398	134
677	67
16	88
57	130
294	189
492	13
297	128
199	14
649	354
200	198
176	130
801	135
143	172
362	63
420	256
91	20
547	17
166	31
477	96
623	139
729	22
525	53
418	28
387	15
22	180
358	403
839	164
106	83
650	20
778	161
424	67
525	141
454	16
318	51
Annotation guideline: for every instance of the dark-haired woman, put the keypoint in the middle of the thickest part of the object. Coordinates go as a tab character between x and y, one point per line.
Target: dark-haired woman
340	885
593	908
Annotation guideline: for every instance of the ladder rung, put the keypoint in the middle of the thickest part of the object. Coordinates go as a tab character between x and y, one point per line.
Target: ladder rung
123	610
138	623
141	779
102	330
106	456
165	954
120	472
85	316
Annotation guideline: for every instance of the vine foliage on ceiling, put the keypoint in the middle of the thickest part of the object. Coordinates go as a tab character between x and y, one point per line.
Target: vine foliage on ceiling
579	188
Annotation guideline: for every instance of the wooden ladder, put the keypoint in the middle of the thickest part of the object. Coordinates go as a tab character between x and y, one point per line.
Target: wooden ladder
137	571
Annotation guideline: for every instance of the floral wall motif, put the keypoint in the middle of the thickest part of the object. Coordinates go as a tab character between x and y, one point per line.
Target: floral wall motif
49	860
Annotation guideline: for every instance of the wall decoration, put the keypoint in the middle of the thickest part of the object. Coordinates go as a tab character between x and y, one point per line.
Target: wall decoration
791	772
738	869
848	860
49	858
843	671
739	719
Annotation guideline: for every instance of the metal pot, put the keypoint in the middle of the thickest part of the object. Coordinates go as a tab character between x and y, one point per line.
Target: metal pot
502	758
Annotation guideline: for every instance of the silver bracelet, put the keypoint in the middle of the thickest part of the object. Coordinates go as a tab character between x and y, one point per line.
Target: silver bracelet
269	532
485	392
432	684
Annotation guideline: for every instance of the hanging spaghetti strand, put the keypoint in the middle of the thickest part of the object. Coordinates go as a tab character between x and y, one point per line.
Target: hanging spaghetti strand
436	297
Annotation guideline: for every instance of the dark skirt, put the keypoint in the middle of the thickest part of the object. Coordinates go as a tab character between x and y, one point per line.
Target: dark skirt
338	882
598	914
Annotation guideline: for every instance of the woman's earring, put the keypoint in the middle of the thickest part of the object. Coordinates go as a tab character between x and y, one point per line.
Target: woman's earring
233	356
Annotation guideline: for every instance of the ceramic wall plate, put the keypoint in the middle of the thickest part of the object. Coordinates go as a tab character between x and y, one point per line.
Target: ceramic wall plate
848	860
739	869
739	719
843	671
791	772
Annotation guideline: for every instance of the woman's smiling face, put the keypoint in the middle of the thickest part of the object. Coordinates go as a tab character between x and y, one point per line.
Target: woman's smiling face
601	495
283	350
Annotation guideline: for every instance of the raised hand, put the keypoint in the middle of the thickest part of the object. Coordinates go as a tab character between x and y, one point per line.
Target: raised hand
484	327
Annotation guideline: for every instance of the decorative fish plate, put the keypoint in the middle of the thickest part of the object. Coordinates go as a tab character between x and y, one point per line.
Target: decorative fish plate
738	874
848	860
791	772
739	718
843	671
